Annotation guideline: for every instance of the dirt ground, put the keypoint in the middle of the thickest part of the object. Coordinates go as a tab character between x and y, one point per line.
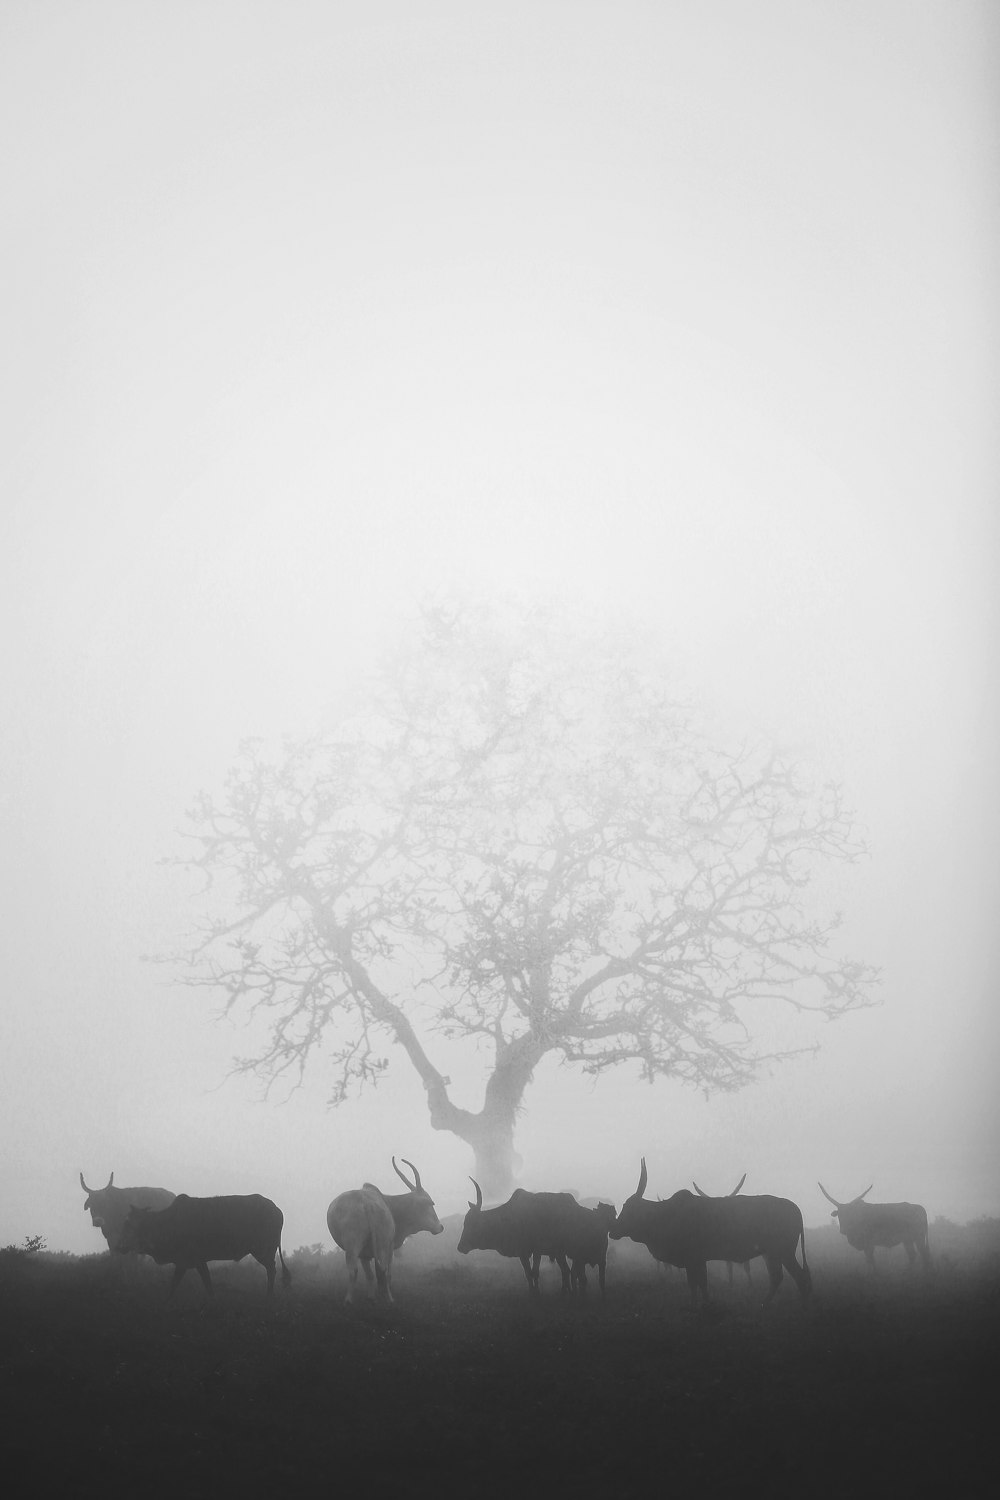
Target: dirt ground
879	1387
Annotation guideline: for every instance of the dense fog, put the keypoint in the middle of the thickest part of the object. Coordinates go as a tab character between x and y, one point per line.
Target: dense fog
680	319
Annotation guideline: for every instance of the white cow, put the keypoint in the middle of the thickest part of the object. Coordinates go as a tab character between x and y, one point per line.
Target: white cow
369	1225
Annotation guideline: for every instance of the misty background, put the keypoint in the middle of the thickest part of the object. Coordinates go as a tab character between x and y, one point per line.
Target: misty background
683	313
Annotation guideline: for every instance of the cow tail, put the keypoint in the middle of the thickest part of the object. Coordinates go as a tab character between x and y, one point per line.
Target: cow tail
807	1285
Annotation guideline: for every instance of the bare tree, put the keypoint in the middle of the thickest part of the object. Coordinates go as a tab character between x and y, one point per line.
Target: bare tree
517	838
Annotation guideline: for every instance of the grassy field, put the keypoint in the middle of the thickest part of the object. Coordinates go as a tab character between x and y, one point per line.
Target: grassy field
885	1385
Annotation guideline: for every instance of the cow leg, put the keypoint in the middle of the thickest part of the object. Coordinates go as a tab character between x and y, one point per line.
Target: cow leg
176	1279
352	1275
384	1277
870	1257
911	1254
531	1275
202	1268
800	1275
601	1269
564	1272
269	1268
774	1276
697	1279
370	1276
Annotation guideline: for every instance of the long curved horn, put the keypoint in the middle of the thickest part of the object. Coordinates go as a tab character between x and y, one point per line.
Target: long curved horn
416	1174
399	1174
479	1194
828	1195
864	1194
738	1186
87	1189
698	1190
642	1179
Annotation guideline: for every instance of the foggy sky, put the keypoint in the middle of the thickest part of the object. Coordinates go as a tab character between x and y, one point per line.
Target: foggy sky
686	311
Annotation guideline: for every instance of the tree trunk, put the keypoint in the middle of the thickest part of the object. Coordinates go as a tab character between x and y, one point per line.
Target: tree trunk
492	1136
490	1133
497	1163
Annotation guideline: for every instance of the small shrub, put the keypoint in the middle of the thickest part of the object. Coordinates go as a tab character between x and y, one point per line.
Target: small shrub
32	1244
308	1252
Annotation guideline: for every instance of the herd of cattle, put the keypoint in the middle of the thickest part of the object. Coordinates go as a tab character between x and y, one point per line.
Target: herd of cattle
686	1230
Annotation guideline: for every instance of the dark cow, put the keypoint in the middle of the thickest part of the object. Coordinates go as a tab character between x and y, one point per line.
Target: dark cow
109	1206
587	1243
530	1225
688	1231
729	1265
193	1231
884	1224
369	1225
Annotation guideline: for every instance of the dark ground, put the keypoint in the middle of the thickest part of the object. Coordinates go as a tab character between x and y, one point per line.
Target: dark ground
886	1387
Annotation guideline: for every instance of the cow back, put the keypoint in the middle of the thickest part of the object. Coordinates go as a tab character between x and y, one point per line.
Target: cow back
529	1223
690	1230
883	1224
225	1228
360	1222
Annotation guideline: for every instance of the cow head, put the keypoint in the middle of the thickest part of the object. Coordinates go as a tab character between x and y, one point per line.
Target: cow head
472	1228
107	1208
416	1212
846	1214
94	1197
632	1215
605	1214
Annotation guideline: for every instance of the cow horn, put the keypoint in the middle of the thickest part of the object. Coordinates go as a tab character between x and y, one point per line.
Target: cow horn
698	1189
738	1186
479	1194
416	1174
864	1194
827	1195
87	1189
642	1179
402	1177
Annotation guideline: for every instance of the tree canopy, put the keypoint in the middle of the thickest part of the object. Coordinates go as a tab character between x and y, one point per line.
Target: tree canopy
517	837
